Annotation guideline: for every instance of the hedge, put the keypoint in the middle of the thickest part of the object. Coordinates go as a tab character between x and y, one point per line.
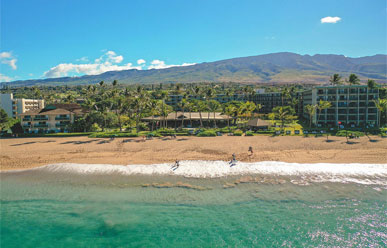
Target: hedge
344	133
238	133
109	135
249	133
207	133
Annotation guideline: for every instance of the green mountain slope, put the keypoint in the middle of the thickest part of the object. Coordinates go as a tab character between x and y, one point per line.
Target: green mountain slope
269	68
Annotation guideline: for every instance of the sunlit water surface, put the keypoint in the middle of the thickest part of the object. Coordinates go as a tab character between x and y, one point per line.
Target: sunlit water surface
61	208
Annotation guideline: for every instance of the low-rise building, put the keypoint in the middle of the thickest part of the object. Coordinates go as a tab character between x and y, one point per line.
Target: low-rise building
52	118
15	106
191	119
352	105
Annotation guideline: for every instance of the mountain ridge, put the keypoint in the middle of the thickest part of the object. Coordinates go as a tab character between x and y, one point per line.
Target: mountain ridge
282	67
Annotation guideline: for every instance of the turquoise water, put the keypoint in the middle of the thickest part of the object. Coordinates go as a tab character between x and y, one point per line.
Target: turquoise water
51	209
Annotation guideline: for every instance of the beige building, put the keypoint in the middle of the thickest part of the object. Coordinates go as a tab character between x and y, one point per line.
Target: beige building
53	118
14	107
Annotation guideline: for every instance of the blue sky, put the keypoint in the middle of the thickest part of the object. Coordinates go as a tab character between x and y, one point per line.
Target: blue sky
46	38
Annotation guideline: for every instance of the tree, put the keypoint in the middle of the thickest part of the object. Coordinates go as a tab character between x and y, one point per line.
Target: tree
213	106
371	84
335	79
353	79
4	119
381	105
311	111
183	104
321	106
285	95
230	110
284	115
199	106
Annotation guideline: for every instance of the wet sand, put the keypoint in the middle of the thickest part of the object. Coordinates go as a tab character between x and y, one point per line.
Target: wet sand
23	153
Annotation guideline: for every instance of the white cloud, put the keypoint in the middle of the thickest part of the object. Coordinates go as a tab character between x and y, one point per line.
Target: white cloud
83	59
159	64
330	19
4	78
109	61
140	61
8	59
110	57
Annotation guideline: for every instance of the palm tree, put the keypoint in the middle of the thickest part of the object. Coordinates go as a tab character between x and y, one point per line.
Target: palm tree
230	110
371	84
321	106
183	104
335	79
285	94
353	79
199	106
381	105
213	106
311	111
284	114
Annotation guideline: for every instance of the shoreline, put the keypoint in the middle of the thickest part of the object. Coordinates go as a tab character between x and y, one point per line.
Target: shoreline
26	153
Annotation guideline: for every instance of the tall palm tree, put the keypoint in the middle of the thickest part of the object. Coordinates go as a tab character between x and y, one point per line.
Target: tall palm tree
311	111
335	79
285	94
183	104
284	114
213	106
322	105
230	110
371	84
381	105
353	79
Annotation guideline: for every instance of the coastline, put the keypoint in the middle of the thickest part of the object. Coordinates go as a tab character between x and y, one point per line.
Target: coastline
26	153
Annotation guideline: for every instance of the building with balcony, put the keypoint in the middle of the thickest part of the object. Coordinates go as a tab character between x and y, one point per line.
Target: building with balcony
268	100
53	118
15	106
352	105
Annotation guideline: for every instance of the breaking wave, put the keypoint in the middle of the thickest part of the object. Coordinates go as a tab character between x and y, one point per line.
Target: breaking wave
319	172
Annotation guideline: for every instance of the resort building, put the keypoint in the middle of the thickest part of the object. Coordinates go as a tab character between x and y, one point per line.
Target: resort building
268	100
14	107
352	105
191	119
51	119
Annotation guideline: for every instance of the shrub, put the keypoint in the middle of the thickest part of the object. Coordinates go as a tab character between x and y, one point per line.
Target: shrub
344	133
238	133
95	128
110	134
249	133
207	133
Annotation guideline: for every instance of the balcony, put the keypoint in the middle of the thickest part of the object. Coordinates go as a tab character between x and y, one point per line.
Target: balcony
26	125
41	119
61	124
62	118
26	119
41	125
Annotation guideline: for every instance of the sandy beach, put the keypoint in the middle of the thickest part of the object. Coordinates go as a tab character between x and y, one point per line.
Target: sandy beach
23	153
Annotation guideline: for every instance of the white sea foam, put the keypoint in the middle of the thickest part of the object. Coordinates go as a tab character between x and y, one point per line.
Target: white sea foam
320	172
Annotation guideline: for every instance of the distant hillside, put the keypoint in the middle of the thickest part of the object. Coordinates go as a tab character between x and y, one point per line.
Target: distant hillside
269	68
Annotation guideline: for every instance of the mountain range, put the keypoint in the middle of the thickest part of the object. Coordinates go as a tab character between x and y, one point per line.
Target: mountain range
271	68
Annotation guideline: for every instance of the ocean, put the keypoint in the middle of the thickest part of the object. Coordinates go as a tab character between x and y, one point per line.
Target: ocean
200	204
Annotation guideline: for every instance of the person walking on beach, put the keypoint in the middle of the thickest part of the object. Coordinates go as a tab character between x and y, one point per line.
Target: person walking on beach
176	165
233	160
251	153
